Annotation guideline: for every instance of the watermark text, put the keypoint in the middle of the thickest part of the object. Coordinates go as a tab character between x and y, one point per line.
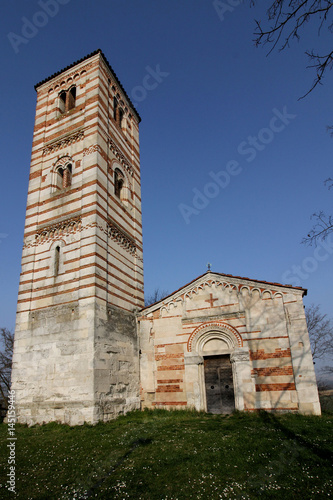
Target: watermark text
30	27
309	265
152	79
11	445
248	148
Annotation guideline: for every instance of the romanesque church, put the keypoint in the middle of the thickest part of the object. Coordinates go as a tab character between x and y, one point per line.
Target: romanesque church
85	348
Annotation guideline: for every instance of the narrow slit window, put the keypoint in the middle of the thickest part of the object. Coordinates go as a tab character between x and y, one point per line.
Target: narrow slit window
56	261
118	183
115	108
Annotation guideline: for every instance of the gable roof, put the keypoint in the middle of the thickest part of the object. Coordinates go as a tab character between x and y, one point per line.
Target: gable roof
98	51
211	273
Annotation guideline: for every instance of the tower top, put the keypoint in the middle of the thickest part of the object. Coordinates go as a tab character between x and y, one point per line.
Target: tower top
88	56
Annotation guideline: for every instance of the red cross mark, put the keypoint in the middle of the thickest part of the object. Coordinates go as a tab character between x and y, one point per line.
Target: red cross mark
211	300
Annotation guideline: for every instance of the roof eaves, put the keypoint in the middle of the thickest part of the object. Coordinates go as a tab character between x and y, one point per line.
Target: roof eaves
98	51
227	276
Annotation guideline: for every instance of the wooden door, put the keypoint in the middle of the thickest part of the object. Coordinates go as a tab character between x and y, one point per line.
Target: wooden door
219	384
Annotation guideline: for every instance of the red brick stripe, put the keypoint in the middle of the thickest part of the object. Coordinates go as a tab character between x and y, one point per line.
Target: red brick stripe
171	367
275	387
278	353
273	370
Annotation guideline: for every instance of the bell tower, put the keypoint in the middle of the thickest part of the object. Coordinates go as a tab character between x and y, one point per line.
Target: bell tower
75	353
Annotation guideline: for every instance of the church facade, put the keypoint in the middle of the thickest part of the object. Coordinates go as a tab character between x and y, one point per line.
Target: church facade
223	343
85	348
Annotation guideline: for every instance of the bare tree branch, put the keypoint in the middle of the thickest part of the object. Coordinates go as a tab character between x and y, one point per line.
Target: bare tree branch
320	331
321	229
328	370
285	20
156	296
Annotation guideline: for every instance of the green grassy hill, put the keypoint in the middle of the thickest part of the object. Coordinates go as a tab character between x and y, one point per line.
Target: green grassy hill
174	455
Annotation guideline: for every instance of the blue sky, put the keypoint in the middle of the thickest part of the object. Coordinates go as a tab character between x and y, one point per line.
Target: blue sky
216	93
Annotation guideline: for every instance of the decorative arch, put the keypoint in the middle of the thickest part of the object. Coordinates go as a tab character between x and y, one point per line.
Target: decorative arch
225	285
214	330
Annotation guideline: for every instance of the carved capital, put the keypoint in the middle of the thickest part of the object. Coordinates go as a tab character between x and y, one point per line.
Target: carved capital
240	357
193	359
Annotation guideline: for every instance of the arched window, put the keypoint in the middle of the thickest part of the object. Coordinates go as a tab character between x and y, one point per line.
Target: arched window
118	183
64	176
67	99
56	261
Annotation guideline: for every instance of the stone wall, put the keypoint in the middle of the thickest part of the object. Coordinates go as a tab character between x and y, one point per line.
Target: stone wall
116	365
53	365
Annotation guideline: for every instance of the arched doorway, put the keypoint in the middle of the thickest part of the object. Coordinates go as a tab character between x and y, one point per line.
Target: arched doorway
219	384
214	349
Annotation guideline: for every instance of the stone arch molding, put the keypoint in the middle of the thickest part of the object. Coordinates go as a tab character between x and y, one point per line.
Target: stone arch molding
63	161
214	330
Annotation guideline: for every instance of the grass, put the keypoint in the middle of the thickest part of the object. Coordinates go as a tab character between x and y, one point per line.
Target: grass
174	455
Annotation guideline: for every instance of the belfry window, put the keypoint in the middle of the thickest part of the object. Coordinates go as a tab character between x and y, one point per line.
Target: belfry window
118	183
67	100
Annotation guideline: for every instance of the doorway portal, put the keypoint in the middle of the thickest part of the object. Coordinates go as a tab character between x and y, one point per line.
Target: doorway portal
219	384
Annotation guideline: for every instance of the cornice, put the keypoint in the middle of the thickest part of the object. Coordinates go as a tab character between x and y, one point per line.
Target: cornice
63	142
122	238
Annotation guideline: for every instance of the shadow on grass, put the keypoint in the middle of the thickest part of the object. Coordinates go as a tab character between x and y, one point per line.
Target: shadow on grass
322	453
135	444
